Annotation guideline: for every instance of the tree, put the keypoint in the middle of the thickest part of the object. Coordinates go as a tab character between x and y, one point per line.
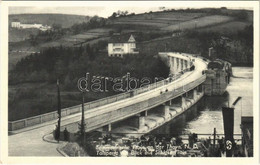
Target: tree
68	83
56	26
113	16
60	68
33	40
242	15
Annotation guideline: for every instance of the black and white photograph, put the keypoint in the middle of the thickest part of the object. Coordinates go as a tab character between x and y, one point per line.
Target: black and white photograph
132	79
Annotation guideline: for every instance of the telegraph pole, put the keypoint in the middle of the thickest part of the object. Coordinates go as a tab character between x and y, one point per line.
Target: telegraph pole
59	111
82	125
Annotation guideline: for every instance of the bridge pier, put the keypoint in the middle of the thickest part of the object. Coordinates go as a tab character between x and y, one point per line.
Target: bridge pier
200	88
171	64
174	65
191	94
166	110
179	64
182	64
195	93
186	64
144	113
179	101
107	128
178	104
137	121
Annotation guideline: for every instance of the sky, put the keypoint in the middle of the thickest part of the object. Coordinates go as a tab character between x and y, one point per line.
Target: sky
101	10
90	11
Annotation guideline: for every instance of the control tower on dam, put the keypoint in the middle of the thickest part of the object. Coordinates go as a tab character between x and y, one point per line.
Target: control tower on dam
218	77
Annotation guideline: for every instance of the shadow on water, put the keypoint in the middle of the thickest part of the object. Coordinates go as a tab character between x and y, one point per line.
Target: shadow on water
178	125
215	103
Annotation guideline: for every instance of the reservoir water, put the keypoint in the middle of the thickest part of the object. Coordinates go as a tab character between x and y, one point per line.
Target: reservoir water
206	115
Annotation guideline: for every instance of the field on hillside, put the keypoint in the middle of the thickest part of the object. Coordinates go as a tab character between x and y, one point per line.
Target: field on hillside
157	19
99	31
20	49
227	28
14	57
199	22
16	35
147	23
74	40
64	20
171	44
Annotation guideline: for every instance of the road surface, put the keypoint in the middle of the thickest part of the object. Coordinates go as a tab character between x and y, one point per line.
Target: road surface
29	142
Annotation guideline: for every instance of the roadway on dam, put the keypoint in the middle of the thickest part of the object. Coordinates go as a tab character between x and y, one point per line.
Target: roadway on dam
29	142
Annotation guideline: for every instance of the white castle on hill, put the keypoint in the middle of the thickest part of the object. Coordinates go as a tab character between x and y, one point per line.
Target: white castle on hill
19	25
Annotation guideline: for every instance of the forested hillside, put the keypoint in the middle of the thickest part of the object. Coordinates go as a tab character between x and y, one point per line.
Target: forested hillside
69	64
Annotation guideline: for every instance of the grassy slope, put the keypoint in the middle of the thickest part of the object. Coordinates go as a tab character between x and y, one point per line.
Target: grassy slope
64	20
199	22
157	19
227	27
18	50
168	19
16	35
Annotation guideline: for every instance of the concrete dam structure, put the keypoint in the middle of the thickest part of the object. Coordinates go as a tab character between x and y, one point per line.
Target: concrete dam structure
169	98
218	77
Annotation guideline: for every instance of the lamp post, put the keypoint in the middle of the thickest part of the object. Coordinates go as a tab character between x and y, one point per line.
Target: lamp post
59	112
82	126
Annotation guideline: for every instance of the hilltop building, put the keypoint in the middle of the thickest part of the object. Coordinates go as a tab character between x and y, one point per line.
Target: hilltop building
120	45
15	24
19	25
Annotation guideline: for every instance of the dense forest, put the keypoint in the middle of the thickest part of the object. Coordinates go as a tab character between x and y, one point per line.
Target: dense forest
70	64
236	48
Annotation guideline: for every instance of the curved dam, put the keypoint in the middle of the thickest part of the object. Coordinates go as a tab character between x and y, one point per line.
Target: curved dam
153	118
167	98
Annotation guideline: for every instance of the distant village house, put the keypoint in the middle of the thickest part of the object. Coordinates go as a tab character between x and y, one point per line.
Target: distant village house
120	45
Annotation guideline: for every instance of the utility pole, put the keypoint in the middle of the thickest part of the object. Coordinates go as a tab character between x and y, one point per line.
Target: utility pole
82	125
59	111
